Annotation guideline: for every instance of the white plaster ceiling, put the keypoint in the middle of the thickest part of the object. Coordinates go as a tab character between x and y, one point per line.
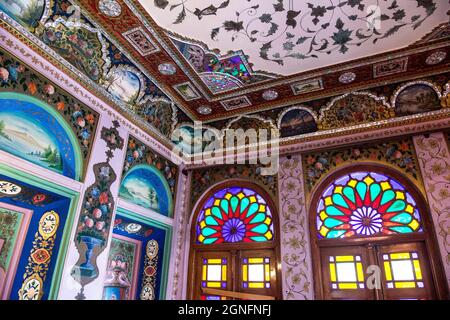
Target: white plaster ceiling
290	36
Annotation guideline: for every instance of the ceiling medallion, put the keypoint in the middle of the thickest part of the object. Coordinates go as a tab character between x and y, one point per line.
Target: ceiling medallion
133	227
270	95
167	69
347	77
205	110
436	57
110	8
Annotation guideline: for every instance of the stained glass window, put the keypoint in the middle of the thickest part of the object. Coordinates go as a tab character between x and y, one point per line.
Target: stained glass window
234	215
214	275
402	270
366	204
346	272
256	273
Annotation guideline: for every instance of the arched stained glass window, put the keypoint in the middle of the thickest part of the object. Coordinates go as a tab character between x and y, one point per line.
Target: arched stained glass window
234	215
366	204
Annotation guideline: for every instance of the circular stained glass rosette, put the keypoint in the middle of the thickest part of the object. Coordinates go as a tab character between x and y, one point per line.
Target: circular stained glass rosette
235	215
347	77
270	95
133	227
110	8
167	69
366	204
436	57
205	110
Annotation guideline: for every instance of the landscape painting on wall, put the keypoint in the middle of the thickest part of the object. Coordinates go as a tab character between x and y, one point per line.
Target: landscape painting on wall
296	122
145	186
27	12
29	132
124	85
417	98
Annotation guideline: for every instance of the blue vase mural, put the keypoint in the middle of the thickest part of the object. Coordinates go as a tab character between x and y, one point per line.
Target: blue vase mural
87	269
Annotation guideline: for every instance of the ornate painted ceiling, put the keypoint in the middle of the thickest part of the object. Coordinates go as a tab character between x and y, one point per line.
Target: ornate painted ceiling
171	62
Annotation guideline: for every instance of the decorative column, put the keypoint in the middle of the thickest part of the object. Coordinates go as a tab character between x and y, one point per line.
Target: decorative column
86	261
294	235
434	160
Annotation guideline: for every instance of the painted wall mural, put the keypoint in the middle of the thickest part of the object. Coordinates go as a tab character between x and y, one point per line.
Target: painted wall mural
53	129
433	154
95	219
138	153
27	12
149	274
296	264
416	97
400	154
296	121
145	186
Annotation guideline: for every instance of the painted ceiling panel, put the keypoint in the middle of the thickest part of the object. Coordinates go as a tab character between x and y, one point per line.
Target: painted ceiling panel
285	37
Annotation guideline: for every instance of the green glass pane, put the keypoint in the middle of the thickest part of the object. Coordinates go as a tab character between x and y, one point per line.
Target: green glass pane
398	205
259	239
339	200
244	204
224	205
260	217
388	195
375	190
252	209
333	211
262	228
401	229
206	232
216	212
402	218
349	193
361	188
331	222
234	201
211	221
209	240
335	233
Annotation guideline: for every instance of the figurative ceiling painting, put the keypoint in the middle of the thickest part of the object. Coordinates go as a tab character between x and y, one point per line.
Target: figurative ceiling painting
296	121
417	98
28	12
36	133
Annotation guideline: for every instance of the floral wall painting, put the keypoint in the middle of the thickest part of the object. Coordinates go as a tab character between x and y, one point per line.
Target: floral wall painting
307	86
124	85
296	121
187	91
416	97
161	113
26	12
31	130
354	108
145	186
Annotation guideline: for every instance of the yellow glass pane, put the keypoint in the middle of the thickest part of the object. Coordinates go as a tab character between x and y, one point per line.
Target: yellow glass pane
348	286
405	285
204	273
268	235
414	224
214	261
256	285
201	238
262	208
244	272
228	196
213	284
268	221
387	270
338	189
267	272
368	180
202	224
400	195
217	202
398	256
344	258
208	212
323	215
252	199
385	185
360	272
240	195
409	208
224	273
352	183
323	231
255	260
333	272
328	201
417	269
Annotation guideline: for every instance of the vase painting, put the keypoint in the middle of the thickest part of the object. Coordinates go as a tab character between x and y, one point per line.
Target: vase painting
33	134
146	187
26	12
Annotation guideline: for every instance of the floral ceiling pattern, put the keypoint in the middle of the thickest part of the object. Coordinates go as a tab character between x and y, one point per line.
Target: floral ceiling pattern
277	34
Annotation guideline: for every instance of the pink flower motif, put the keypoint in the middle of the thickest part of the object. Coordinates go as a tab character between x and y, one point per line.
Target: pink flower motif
356	152
397	154
318	166
97	213
103	198
49	89
81	122
20	68
89	223
4	74
135	154
100	225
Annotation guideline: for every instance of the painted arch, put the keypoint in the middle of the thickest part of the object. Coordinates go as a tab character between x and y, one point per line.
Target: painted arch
34	131
145	186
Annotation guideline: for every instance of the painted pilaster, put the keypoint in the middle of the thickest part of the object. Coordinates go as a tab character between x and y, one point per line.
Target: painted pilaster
108	152
294	235
434	160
